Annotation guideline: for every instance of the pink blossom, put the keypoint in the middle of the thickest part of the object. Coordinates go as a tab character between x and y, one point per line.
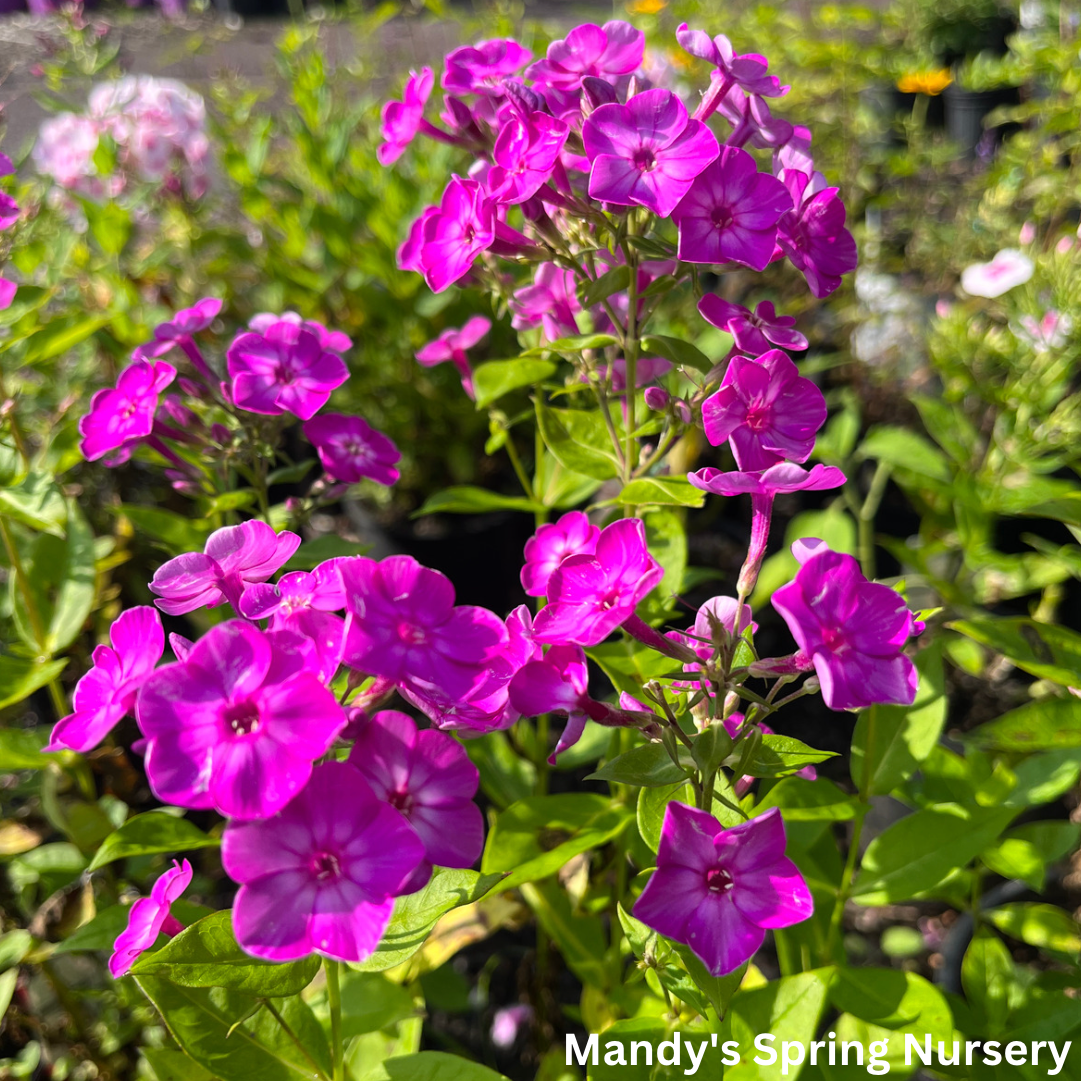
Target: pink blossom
731	213
550	302
747	71
237	725
179	332
451	236
526	150
647	152
284	370
1050	332
853	630
235	557
482	68
813	233
428	777
551	544
106	694
507	1023
402	119
120	418
403	625
323	873
334	340
753	333
590	595
6	166
9	211
717	614
752	122
796	153
765	410
8	289
65	150
558	683
150	917
719	890
351	449
1007	270
604	51
452	345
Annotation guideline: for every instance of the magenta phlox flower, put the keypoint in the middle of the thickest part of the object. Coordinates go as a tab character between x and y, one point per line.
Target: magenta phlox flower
647	152
796	152
235	557
179	332
284	370
756	332
351	449
718	613
482	68
322	874
1008	269
428	777
453	344
403	625
107	692
150	917
9	211
748	71
551	302
853	630
590	595
7	167
765	410
334	340
603	51
237	725
402	119
784	477
121	417
731	212
719	890
8	289
752	122
525	153
572	535
813	233
557	684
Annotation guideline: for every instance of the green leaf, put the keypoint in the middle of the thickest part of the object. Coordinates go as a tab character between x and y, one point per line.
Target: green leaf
170	1065
14	946
370	1002
37	502
19	679
75	592
629	664
580	937
679	352
60	335
892	999
1043	926
576	343
905	449
652	803
667	541
987	974
99	933
432	1066
646	766
465	499
718	989
495	378
918	852
779	756
535	837
578	440
1046	724
416	914
311	553
8	980
1042	778
891	741
174	531
504	775
611	281
208	1023
660	491
291	474
206	954
801	800
1045	650
151	832
110	224
613	1065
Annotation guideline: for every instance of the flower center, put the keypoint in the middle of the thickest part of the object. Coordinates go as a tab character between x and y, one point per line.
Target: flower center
833	639
644	160
758	417
326	865
468	233
401	801
610	599
411	634
721	217
242	718
718	880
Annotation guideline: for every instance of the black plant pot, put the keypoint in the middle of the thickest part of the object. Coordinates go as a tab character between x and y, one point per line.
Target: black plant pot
965	114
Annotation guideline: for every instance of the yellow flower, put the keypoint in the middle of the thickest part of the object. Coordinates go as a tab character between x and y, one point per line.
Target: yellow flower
646	7
925	82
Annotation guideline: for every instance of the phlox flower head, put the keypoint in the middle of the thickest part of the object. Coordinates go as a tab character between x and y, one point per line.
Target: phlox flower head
557	683
719	890
7	167
754	332
451	235
747	71
235	557
428	777
179	330
1007	270
121	417
767	483
403	625
453	345
731	213
590	595
482	68
322	874
647	152
334	340
65	150
9	211
525	153
8	289
752	122
148	918
852	630
551	302
508	1022
572	535
106	694
603	51
284	370
351	449
401	119
765	410
717	614
1050	332
813	235
236	725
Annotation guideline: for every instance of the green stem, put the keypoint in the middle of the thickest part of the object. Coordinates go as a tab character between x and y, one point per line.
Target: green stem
516	462
630	356
846	882
334	997
866	518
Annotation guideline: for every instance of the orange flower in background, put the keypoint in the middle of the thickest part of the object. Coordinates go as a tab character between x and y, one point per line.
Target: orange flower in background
925	82
646	7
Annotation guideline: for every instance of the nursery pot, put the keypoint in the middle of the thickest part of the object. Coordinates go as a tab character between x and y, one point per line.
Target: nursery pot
966	110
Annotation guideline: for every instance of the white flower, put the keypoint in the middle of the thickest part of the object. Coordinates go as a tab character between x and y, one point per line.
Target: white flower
1009	268
1050	332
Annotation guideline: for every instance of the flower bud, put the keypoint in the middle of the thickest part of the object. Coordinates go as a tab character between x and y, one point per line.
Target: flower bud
657	398
1027	234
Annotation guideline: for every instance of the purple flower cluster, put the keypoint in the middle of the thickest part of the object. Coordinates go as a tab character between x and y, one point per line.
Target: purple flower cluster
9	215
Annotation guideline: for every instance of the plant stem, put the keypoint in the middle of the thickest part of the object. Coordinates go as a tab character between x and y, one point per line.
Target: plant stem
866	518
846	881
630	356
334	997
516	462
